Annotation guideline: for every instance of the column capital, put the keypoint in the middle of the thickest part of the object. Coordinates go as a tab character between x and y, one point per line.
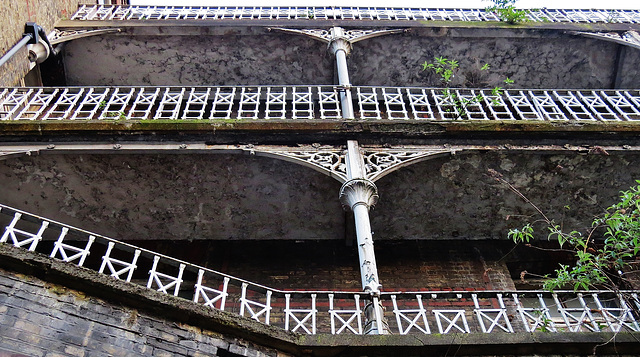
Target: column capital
358	191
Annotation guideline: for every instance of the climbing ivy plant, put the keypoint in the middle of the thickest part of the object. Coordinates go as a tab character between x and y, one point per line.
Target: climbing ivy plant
603	253
447	69
507	12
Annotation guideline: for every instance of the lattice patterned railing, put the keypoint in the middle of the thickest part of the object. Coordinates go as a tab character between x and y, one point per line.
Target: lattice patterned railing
106	12
330	312
311	102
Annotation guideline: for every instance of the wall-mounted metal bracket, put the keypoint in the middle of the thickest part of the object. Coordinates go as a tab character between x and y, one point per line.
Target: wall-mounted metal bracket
59	36
628	38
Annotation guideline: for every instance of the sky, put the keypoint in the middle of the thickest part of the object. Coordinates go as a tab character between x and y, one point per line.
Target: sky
553	4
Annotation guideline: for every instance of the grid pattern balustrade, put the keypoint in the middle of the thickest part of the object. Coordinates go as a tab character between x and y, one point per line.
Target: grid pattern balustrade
314	102
325	312
114	12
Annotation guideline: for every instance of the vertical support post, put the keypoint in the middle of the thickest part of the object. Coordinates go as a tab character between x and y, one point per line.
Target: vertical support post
360	194
341	47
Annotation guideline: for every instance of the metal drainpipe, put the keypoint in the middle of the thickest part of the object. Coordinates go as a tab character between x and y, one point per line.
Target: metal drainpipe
360	194
341	47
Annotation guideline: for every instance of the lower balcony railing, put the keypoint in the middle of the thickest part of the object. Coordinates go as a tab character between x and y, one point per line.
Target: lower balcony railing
313	102
326	312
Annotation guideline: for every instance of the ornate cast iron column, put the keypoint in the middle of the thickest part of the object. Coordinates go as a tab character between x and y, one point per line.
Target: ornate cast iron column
360	194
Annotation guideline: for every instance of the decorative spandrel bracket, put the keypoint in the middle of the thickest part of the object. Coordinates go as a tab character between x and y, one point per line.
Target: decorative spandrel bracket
9	154
629	38
332	162
339	35
59	36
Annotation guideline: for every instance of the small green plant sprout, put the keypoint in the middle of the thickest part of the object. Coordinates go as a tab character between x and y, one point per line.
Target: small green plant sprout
603	252
118	115
447	69
102	104
507	12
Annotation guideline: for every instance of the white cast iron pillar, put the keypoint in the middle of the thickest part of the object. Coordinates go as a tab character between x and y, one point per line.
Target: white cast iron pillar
360	194
340	46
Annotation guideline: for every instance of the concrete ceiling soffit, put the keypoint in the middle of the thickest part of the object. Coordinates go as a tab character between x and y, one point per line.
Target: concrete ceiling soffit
59	36
628	38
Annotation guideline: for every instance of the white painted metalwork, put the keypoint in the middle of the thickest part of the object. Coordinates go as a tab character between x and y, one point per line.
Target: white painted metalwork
64	249
619	102
19	237
170	104
299	311
302	103
211	296
546	105
141	108
535	317
300	317
197	103
223	103
13	101
306	102
329	104
617	317
249	103
258	311
164	281
64	105
93	100
415	318
573	106
276	103
368	103
576	318
115	107
494	317
38	103
394	103
451	319
419	102
119	267
107	12
352	320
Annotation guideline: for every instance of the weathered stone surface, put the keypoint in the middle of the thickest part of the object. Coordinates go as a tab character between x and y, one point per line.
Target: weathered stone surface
251	55
256	57
456	198
182	197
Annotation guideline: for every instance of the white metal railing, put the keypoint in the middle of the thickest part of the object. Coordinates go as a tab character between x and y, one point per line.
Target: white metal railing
313	102
329	312
115	12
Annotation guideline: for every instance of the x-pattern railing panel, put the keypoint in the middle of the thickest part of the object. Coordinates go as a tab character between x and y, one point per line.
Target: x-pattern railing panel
107	12
68	252
164	281
494	317
343	320
413	318
211	296
304	319
259	311
311	102
314	312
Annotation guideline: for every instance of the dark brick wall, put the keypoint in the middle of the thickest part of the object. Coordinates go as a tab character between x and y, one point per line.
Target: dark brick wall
42	319
333	265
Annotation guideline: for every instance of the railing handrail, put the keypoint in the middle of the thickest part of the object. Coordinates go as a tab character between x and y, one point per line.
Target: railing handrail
129	12
451	310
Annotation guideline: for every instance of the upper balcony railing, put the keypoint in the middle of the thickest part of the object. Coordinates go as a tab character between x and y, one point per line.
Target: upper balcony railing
326	312
312	103
106	12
